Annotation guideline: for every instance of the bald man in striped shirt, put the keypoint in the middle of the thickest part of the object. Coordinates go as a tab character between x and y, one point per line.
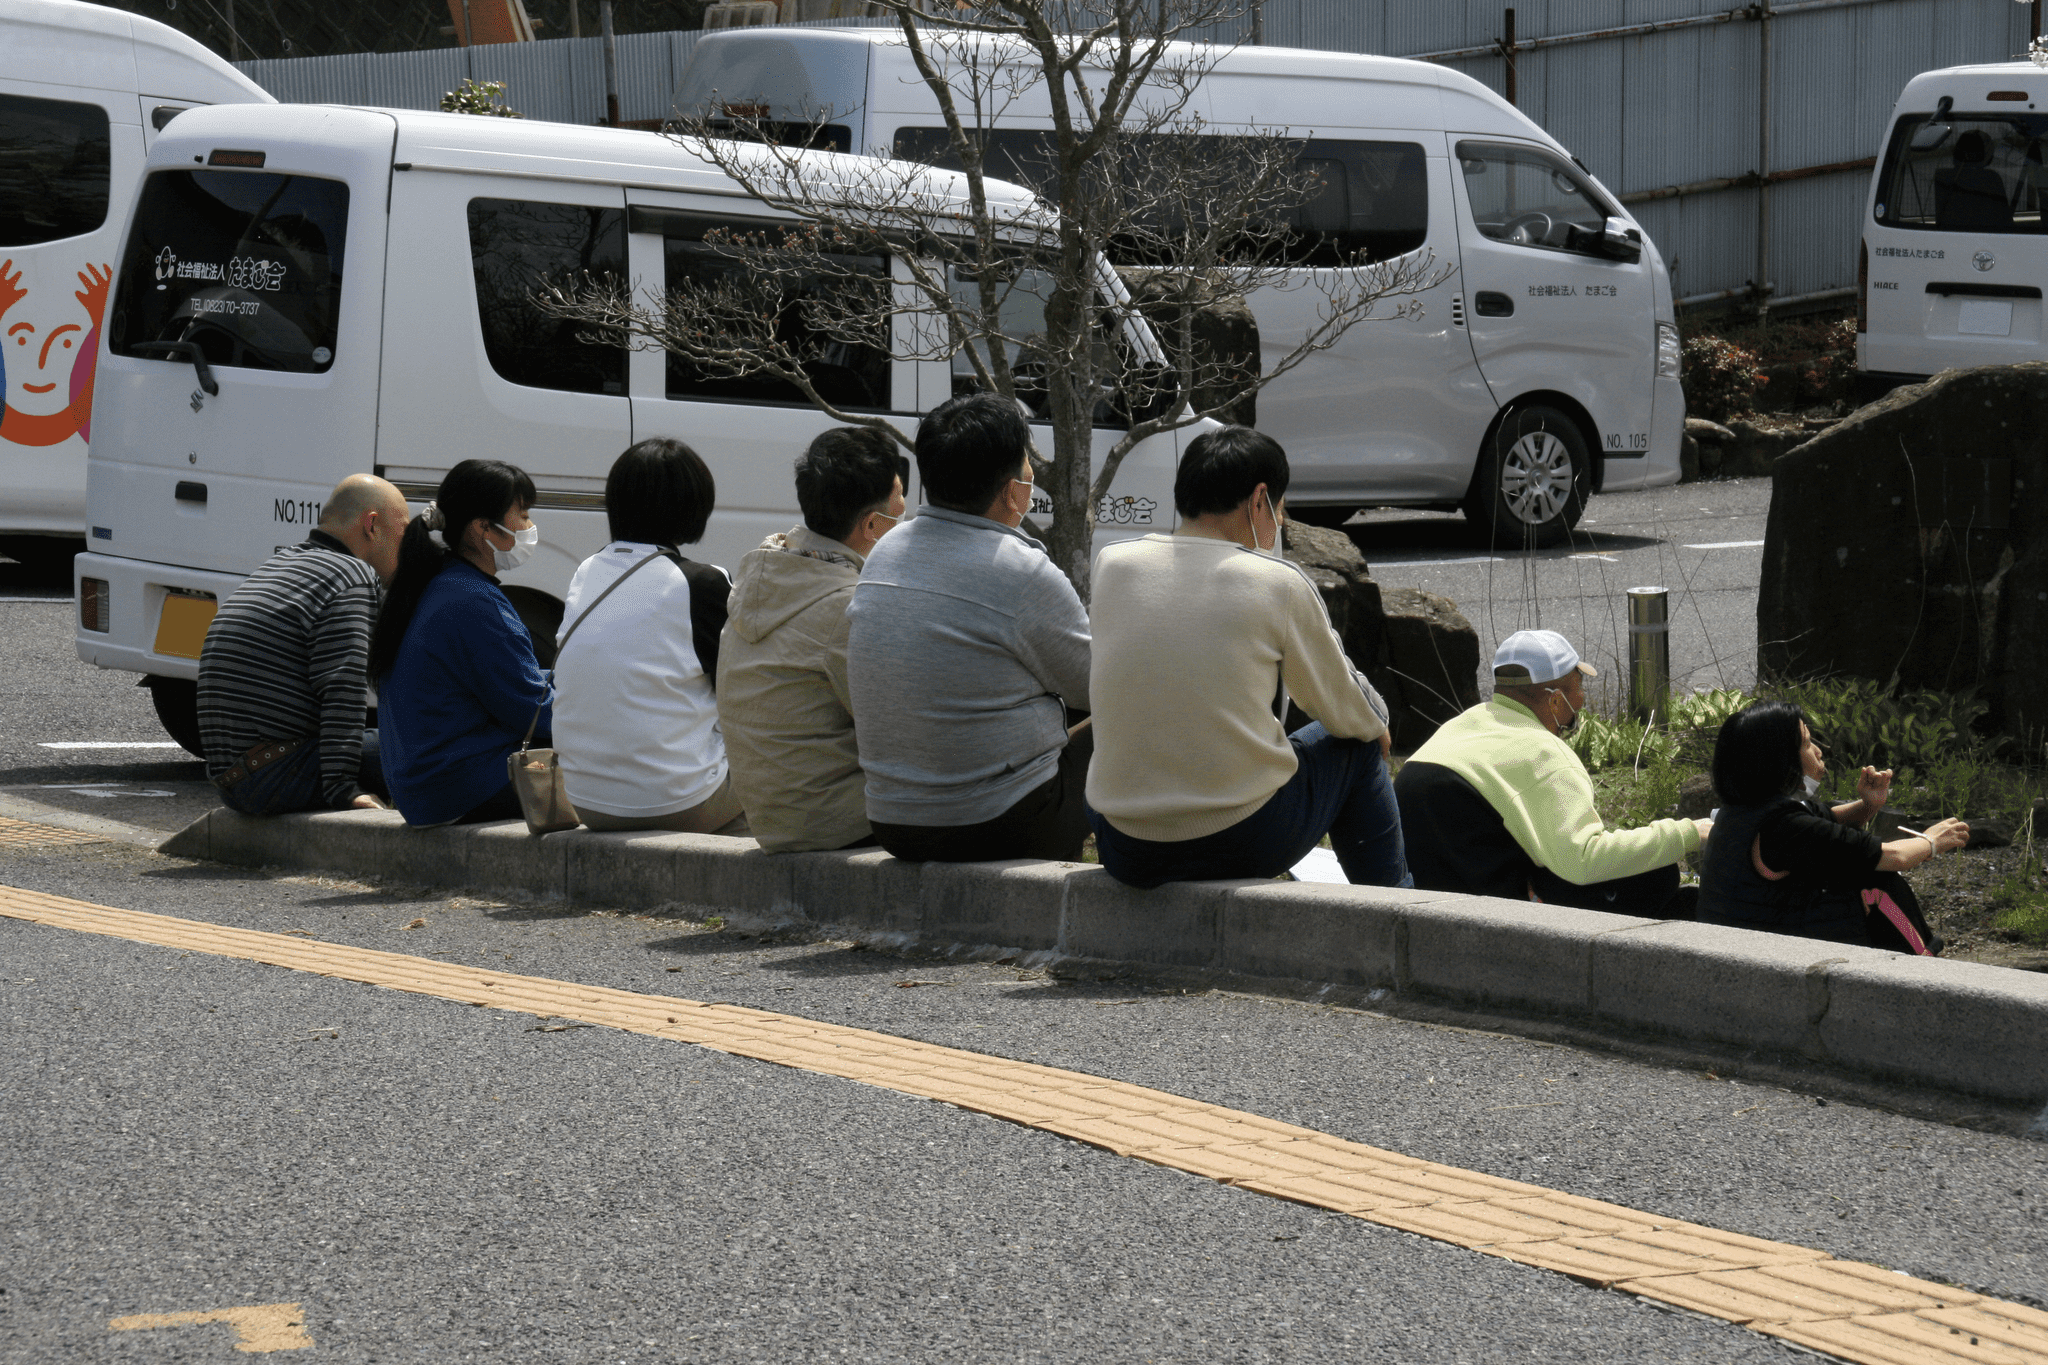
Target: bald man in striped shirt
283	689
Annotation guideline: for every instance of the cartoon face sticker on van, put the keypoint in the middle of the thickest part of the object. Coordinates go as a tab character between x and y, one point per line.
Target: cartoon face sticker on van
48	351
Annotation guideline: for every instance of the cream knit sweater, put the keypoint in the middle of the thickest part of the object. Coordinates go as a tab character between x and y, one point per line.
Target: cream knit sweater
1193	639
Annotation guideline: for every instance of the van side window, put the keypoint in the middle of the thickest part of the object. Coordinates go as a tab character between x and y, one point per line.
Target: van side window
1527	197
514	246
54	167
1965	173
849	374
248	264
1371	199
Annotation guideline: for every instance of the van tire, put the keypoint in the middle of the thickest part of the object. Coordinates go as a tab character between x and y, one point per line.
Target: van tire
177	710
542	616
1533	479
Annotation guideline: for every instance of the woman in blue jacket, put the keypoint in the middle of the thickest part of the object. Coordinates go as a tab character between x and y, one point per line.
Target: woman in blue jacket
457	680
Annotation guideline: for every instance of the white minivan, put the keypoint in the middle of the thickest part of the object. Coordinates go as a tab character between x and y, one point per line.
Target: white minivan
84	91
307	292
1953	256
1544	368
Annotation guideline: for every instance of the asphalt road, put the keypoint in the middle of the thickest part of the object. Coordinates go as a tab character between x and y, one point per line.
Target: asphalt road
439	1182
436	1181
1702	542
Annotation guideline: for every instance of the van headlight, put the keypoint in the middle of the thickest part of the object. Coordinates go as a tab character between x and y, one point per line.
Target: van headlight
1667	350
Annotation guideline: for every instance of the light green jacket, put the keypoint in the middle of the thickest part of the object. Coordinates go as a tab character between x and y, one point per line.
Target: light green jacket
1544	796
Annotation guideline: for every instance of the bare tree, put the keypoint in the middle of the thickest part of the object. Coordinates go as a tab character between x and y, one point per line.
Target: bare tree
1014	288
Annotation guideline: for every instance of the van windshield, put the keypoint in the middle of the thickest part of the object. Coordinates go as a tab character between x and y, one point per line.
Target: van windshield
248	265
1964	173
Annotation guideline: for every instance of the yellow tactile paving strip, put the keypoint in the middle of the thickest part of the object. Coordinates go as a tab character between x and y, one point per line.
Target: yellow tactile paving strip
21	833
1844	1308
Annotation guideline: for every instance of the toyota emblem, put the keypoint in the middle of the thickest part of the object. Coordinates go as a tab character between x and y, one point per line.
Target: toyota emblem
1983	260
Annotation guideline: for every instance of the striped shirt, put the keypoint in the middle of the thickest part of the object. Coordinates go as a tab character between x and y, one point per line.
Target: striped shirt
286	658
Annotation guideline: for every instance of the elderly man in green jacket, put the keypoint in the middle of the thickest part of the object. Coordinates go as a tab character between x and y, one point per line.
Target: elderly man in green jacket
1497	804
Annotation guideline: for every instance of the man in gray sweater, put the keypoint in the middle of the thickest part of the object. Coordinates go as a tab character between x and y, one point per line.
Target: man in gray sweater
966	651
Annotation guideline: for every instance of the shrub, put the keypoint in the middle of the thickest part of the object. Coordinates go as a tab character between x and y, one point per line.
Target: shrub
1720	377
479	97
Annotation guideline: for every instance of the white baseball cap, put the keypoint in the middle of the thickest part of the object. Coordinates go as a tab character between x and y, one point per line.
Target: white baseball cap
1536	656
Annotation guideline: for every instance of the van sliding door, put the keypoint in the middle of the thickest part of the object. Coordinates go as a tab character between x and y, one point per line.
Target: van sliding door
472	367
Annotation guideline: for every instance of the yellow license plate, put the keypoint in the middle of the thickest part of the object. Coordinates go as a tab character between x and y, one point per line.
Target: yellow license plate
181	630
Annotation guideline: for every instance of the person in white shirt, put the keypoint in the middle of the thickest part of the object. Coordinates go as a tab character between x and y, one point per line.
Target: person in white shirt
1195	636
635	720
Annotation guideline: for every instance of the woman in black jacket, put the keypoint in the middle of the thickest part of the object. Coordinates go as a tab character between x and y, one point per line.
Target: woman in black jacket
1781	861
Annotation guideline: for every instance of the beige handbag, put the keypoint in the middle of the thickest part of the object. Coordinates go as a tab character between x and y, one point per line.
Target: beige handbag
536	774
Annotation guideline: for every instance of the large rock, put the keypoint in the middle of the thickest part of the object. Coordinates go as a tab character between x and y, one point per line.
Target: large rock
1432	663
1910	542
1222	335
1415	647
1342	576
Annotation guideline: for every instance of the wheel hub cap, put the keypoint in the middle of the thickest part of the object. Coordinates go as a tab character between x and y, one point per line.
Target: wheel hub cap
1536	478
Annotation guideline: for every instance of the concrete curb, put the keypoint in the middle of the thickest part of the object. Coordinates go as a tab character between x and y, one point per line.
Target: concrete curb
1954	1026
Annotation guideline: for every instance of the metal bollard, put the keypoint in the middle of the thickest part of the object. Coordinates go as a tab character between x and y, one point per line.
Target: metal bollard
1649	652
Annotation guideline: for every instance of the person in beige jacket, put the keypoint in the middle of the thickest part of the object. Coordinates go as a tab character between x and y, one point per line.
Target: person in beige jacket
782	694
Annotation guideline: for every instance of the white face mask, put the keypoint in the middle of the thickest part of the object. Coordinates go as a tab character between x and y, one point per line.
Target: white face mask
1812	785
523	545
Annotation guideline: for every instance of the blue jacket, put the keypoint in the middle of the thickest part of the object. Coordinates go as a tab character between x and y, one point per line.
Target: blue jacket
459	699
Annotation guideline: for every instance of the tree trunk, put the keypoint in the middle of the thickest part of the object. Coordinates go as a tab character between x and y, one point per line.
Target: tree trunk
1070	388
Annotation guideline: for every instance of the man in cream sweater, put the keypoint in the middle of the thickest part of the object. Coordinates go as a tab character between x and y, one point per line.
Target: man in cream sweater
1195	635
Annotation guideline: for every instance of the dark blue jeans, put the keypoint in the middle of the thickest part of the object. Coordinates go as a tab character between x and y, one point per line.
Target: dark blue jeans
1340	787
293	782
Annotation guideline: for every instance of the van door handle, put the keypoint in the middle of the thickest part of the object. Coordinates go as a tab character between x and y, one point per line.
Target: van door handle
188	491
1490	304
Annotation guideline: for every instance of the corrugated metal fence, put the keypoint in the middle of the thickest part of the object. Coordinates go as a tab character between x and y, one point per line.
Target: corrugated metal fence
1663	99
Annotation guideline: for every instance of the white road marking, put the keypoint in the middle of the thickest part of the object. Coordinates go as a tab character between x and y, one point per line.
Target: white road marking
1320	865
1727	545
1413	563
108	744
1604	559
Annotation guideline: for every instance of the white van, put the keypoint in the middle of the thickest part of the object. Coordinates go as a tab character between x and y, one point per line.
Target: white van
1953	256
1543	369
84	91
308	292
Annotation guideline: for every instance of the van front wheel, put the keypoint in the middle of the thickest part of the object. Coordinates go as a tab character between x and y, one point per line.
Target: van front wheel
177	710
1533	480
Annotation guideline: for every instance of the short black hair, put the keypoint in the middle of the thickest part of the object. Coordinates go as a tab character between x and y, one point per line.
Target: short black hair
659	492
1222	467
968	450
847	473
1756	755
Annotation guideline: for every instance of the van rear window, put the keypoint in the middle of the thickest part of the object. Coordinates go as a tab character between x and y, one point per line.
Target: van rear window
248	265
1371	201
54	158
516	246
1965	173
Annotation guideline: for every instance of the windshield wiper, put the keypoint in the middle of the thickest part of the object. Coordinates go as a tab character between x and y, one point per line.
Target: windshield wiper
184	350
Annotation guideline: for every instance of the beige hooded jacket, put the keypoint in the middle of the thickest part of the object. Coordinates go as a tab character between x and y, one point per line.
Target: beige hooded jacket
782	697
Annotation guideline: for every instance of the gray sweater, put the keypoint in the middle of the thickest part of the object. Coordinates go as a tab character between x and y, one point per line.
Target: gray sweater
963	640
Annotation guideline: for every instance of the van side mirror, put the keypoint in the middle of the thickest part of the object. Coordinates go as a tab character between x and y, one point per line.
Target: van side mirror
1619	242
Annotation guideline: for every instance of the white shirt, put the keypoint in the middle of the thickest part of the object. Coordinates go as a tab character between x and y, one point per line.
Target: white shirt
636	724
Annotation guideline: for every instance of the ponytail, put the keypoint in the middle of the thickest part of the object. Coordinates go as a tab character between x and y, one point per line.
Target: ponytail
475	488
